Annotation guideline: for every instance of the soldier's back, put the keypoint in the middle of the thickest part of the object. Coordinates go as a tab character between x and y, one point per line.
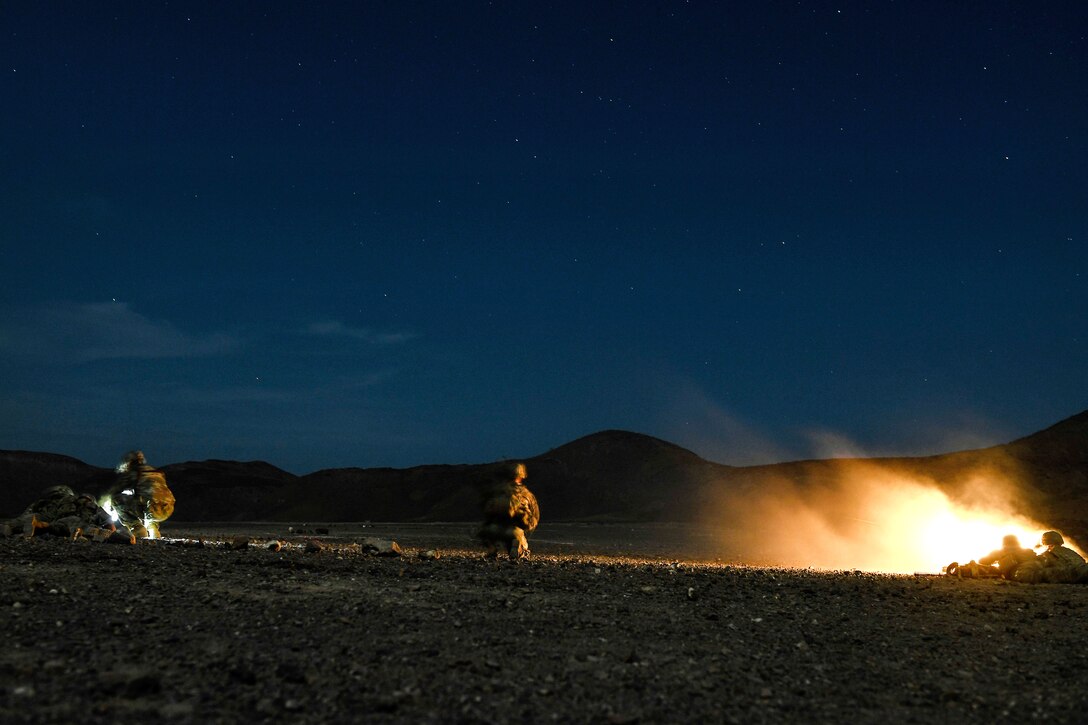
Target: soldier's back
526	509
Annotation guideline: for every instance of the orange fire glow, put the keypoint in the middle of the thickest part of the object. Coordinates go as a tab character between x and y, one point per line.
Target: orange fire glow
926	531
862	516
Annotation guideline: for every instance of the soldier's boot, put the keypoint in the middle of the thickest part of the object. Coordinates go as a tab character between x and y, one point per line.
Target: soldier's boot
522	551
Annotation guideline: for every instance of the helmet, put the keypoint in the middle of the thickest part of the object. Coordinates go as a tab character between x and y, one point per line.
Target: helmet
130	461
1010	542
510	471
58	492
1051	538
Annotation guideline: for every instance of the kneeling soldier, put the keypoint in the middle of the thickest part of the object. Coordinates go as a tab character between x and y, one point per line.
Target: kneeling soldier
510	512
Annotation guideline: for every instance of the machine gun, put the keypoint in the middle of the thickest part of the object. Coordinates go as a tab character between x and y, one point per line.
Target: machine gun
972	570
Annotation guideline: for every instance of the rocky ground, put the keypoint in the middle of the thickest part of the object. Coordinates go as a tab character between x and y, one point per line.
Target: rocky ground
185	633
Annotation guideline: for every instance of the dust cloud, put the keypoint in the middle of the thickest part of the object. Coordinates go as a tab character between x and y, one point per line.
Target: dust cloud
867	515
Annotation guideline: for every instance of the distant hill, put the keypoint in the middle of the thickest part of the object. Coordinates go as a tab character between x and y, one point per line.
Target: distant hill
227	490
607	476
621	476
23	475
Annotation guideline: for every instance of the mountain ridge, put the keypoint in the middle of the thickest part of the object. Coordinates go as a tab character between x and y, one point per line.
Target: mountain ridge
610	475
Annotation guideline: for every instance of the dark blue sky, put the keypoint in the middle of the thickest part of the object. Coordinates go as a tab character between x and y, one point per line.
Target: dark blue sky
333	234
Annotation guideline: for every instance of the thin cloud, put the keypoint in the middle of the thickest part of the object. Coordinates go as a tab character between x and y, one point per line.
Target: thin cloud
102	331
365	334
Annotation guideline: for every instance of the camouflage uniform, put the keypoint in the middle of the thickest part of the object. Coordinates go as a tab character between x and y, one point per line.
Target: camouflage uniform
1058	564
53	498
510	512
61	512
80	513
140	497
1009	557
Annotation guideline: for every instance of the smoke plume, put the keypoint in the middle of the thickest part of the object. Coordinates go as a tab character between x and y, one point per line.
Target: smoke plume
870	515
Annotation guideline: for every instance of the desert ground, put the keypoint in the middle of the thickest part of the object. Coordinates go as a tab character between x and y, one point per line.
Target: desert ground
602	624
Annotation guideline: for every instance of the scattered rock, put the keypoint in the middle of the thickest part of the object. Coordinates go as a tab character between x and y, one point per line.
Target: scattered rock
429	555
381	547
237	543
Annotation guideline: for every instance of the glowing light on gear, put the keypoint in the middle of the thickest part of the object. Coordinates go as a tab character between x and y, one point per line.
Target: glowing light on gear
107	506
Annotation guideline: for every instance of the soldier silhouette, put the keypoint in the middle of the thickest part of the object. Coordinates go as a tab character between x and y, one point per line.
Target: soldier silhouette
510	510
139	497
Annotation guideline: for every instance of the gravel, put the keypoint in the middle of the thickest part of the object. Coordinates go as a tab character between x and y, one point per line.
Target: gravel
183	632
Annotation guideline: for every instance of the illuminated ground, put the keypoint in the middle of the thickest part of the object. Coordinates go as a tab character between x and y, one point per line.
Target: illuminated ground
108	633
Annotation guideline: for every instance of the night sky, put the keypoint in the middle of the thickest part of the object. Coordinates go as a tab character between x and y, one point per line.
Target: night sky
397	233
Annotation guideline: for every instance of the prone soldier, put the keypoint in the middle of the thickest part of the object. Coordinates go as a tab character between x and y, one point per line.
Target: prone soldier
61	512
1058	563
1008	558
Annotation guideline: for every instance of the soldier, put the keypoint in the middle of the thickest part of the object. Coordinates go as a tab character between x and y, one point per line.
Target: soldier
1058	563
79	514
510	511
140	498
1009	557
61	512
53	500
